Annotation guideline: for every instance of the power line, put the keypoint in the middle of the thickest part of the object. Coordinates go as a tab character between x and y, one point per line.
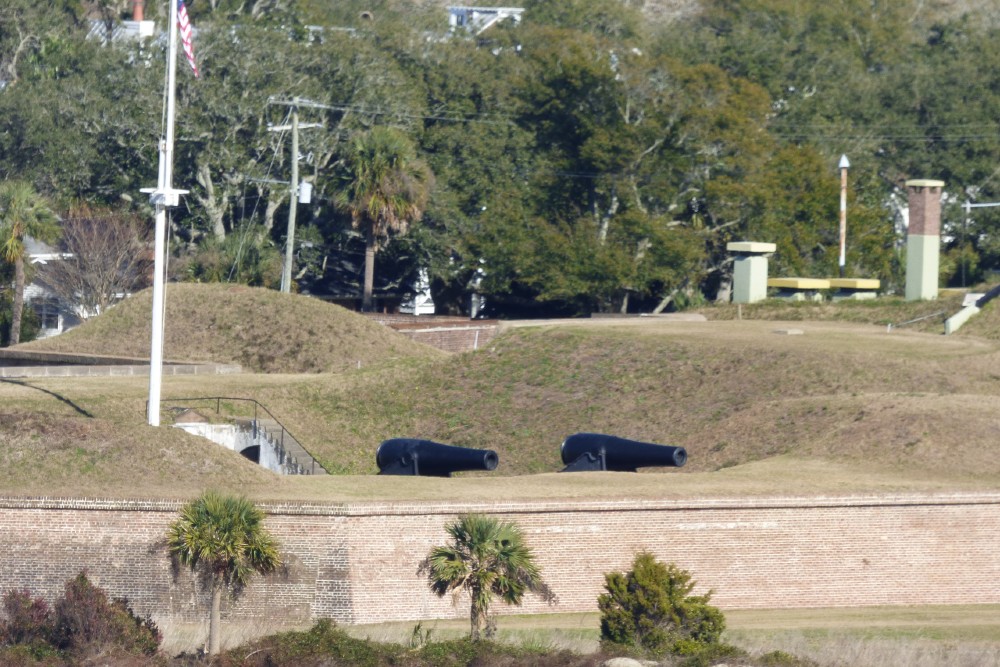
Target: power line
475	117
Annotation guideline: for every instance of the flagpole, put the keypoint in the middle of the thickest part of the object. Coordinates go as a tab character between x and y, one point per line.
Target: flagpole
163	196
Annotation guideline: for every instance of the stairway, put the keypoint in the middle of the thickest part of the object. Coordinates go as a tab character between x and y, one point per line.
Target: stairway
295	460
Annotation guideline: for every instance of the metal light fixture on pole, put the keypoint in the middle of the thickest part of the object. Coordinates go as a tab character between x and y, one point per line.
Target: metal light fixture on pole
844	166
163	196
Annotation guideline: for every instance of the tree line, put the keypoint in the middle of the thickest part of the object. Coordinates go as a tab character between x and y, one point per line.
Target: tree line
591	157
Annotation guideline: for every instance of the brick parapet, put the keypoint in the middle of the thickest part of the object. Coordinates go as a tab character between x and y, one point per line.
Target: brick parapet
447	507
448	333
357	562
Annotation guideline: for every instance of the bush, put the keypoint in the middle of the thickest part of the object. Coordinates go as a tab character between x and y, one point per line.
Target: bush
29	620
84	616
324	643
26	634
649	610
82	620
29	320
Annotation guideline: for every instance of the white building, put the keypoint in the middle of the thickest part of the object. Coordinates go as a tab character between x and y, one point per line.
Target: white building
478	19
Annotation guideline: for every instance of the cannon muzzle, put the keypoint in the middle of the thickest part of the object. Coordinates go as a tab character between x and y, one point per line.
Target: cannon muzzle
595	451
409	456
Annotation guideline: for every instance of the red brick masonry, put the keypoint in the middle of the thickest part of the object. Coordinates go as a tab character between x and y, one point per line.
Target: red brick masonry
451	334
358	562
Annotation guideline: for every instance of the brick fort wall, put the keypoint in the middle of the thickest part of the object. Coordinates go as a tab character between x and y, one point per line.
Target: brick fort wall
451	334
358	562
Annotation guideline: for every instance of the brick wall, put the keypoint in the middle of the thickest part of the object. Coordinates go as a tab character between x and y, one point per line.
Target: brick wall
358	563
451	334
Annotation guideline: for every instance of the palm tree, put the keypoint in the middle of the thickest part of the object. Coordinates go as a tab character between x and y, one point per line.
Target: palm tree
23	212
488	559
223	538
386	189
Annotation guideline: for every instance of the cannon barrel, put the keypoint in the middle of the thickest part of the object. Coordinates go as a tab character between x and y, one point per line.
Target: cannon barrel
596	451
410	456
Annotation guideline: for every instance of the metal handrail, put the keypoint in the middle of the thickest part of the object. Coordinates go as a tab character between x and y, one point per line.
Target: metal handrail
892	326
256	405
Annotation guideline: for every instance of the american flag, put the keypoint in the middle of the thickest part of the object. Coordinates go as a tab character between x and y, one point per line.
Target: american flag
185	26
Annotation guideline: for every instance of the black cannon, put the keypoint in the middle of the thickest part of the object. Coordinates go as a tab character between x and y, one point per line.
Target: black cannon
594	451
409	456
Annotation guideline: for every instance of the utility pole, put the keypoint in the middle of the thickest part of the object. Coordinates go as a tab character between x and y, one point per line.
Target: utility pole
286	271
293	203
965	228
844	166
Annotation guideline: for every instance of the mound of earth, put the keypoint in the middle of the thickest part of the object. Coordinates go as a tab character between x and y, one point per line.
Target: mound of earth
260	329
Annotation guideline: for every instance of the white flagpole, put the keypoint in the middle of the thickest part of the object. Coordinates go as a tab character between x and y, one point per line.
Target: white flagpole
163	196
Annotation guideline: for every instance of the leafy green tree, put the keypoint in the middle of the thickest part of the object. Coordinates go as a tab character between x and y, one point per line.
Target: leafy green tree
80	122
606	18
645	145
650	609
487	559
25	29
29	319
23	212
385	189
247	256
482	162
223	538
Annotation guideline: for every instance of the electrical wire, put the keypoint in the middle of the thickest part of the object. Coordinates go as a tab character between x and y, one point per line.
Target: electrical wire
245	227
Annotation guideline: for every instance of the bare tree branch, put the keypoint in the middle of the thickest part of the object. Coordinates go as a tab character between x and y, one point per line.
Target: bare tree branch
106	256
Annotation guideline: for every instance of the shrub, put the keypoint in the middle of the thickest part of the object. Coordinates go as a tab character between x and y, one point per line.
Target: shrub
324	644
29	320
782	659
26	634
82	619
29	620
84	616
650	610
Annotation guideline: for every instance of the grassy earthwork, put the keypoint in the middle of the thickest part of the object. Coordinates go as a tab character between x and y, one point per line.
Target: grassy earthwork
776	398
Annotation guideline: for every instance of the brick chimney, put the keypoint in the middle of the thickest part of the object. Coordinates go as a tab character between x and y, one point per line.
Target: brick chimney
923	239
137	10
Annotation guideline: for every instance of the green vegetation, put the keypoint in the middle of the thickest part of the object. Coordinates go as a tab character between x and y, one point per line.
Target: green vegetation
595	156
83	626
327	644
650	610
223	539
23	213
844	405
385	188
487	559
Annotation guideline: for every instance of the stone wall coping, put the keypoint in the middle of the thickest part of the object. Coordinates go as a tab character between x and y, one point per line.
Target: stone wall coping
418	328
799	283
856	283
117	370
405	508
751	247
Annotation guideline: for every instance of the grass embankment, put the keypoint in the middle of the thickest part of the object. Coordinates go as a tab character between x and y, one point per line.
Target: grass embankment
846	406
262	330
840	407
